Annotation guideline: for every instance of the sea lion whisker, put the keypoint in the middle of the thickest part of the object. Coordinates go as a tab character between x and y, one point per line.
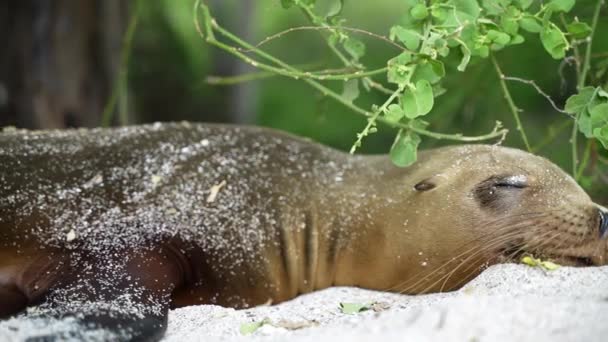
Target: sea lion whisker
507	257
487	245
437	269
557	249
474	249
486	248
527	246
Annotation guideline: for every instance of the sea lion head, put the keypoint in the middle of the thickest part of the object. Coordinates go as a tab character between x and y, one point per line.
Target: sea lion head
472	206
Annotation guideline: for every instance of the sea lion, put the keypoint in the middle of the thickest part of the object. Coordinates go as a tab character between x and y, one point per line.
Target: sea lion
112	227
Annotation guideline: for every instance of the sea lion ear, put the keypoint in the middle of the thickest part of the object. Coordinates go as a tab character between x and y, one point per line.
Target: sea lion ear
425	185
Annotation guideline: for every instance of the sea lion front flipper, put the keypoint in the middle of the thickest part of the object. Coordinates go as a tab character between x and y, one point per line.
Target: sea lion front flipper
103	325
124	298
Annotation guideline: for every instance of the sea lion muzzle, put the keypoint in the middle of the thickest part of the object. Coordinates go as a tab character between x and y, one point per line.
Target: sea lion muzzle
603	223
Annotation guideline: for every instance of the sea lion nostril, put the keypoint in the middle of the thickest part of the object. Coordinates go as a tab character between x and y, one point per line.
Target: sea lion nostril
603	224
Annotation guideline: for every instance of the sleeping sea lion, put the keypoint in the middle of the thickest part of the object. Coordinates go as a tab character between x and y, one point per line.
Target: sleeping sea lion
109	228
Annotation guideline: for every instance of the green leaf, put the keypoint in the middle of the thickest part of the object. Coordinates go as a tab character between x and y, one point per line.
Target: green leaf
554	41
518	39
492	7
602	135
549	266
353	308
530	261
351	90
440	13
438	68
585	126
534	262
464	11
419	12
410	38
498	37
250	328
579	30
577	103
355	48
399	69
530	24
524	4
419	124
394	113
432	70
470	7
404	151
418	101
483	51
599	115
287	3
466	57
470	35
561	5
335	10
509	21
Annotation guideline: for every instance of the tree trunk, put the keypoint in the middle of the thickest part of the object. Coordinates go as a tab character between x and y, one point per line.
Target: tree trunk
58	61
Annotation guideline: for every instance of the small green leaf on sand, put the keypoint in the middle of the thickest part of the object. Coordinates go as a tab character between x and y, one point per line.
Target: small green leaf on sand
549	266
545	265
354	308
250	328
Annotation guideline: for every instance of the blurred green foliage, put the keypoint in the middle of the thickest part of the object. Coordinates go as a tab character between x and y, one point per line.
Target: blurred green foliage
170	64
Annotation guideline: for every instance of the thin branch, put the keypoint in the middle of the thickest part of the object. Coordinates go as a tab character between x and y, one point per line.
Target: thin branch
331	28
574	45
585	161
581	84
514	110
586	63
231	80
373	118
540	91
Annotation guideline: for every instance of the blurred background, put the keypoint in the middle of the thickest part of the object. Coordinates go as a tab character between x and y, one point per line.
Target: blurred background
60	62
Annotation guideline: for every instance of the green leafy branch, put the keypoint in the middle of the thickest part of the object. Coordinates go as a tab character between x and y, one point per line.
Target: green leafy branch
419	93
428	33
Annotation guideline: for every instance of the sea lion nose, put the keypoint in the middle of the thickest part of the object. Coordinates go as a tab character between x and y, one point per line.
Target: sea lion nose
603	223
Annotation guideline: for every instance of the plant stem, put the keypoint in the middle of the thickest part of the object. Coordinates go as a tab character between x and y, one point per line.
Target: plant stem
581	84
585	161
512	106
367	80
290	69
120	85
577	55
574	143
231	80
596	15
311	16
373	118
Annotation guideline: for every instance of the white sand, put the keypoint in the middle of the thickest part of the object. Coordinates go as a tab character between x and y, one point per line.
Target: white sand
505	303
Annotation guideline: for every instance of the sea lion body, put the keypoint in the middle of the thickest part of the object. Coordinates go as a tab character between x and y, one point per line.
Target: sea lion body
240	216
